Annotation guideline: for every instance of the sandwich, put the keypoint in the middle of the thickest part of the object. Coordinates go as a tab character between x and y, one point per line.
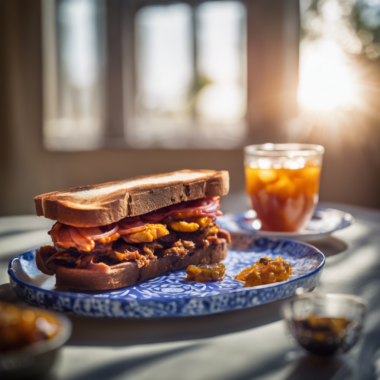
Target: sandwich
118	234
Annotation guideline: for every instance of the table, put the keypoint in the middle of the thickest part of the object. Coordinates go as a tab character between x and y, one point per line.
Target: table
240	345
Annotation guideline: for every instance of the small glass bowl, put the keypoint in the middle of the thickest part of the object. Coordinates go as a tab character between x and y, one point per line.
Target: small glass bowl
325	324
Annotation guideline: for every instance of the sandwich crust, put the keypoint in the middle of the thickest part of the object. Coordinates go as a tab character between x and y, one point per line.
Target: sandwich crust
97	205
127	273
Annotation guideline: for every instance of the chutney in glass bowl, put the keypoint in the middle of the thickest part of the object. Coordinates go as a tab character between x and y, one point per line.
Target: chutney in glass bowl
325	324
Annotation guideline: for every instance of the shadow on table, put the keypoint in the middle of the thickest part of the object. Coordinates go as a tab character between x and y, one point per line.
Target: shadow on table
121	332
306	367
122	367
330	246
301	367
314	368
127	332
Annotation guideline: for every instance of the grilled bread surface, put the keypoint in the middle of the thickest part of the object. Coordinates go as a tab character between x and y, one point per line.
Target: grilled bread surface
98	205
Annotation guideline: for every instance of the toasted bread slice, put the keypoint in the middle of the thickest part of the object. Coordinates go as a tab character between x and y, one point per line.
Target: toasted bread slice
127	273
98	205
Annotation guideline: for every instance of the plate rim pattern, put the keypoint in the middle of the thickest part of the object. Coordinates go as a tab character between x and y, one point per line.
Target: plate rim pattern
162	307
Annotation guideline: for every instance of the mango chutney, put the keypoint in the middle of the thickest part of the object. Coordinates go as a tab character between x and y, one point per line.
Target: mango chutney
205	272
265	271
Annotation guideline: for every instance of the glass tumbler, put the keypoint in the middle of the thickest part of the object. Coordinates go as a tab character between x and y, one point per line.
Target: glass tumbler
325	324
282	182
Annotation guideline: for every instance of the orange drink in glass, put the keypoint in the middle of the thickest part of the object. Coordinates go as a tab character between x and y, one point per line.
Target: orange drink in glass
282	182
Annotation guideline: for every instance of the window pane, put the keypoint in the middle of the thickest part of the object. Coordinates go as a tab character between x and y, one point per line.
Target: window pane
164	53
74	65
191	86
164	72
183	74
221	47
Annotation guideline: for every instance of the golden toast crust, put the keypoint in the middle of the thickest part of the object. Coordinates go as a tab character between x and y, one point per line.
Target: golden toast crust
97	205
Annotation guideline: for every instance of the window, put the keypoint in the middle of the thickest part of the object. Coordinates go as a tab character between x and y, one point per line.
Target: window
190	74
144	74
339	65
74	72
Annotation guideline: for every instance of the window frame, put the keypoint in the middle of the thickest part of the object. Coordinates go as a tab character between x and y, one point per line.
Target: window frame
272	68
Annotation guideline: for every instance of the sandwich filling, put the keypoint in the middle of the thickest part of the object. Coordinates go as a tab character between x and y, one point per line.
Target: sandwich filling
171	231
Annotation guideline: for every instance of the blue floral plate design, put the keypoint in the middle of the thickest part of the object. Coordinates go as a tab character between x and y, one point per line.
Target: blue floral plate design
324	222
169	295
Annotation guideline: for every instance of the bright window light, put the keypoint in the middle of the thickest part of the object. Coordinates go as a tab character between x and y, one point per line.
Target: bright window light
326	79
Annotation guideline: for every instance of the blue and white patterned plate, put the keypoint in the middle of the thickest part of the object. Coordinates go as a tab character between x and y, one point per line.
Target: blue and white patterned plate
324	222
169	295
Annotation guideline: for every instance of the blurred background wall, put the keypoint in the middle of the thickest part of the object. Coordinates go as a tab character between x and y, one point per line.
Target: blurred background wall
94	91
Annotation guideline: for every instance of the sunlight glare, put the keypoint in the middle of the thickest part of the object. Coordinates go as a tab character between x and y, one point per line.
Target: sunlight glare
326	80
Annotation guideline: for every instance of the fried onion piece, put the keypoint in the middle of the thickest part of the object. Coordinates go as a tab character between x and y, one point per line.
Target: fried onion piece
180	248
215	240
128	252
153	232
175	251
213	230
149	249
185	243
223	234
